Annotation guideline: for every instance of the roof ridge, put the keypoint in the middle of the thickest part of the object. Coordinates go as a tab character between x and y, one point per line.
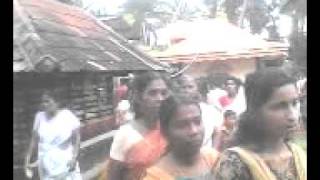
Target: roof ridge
159	67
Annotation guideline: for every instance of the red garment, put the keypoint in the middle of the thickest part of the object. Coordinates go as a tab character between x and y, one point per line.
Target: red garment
225	101
121	92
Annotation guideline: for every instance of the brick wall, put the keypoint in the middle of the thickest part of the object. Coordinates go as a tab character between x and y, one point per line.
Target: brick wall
91	97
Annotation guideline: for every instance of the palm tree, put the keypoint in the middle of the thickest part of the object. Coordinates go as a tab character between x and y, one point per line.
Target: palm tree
298	46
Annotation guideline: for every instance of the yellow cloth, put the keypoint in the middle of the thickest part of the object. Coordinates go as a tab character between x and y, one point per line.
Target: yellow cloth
259	169
103	173
156	173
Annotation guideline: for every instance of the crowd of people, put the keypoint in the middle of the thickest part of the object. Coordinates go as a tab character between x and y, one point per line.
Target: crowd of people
176	130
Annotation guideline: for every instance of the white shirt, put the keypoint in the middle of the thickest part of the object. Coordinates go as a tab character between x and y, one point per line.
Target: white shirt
52	133
124	108
211	118
213	97
123	140
239	103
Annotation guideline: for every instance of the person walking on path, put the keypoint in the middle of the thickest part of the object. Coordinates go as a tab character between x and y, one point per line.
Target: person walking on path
56	134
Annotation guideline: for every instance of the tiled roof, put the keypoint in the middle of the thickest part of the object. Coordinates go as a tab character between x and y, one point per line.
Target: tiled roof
48	30
218	40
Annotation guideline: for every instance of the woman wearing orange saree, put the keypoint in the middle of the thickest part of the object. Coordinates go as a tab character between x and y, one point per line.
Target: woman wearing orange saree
139	143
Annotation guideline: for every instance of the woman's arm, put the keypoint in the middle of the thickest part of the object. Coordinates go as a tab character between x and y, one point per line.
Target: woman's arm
76	147
217	139
33	142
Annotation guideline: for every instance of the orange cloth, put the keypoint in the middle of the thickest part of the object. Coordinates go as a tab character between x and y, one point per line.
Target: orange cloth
209	155
143	154
147	150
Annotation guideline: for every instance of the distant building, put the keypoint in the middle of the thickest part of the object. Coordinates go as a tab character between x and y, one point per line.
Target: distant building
205	47
58	46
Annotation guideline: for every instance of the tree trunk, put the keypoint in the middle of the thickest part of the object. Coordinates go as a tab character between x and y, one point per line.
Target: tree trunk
243	12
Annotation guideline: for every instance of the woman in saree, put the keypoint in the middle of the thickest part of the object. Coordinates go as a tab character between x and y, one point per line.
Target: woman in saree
181	124
138	144
262	148
56	133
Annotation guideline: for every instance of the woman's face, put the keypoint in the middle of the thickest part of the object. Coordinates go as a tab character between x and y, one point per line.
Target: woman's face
49	104
153	95
281	112
186	129
189	85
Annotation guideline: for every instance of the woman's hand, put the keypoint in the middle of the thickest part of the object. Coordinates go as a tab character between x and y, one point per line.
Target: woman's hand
28	169
72	164
28	172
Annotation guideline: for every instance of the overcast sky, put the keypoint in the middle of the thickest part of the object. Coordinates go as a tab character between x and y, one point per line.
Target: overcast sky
113	6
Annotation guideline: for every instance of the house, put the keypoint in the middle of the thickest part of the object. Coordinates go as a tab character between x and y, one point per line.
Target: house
47	30
206	47
59	46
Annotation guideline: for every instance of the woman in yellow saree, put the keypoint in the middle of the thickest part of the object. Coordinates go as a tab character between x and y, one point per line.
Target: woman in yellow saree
262	150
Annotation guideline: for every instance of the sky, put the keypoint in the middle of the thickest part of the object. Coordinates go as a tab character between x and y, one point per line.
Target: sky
113	6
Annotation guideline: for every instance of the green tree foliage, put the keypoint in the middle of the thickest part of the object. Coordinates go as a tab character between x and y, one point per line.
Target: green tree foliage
255	11
139	7
232	10
298	39
72	2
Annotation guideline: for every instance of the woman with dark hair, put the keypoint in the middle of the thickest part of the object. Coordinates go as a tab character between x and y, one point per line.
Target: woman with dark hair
56	132
262	150
181	125
139	143
211	117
